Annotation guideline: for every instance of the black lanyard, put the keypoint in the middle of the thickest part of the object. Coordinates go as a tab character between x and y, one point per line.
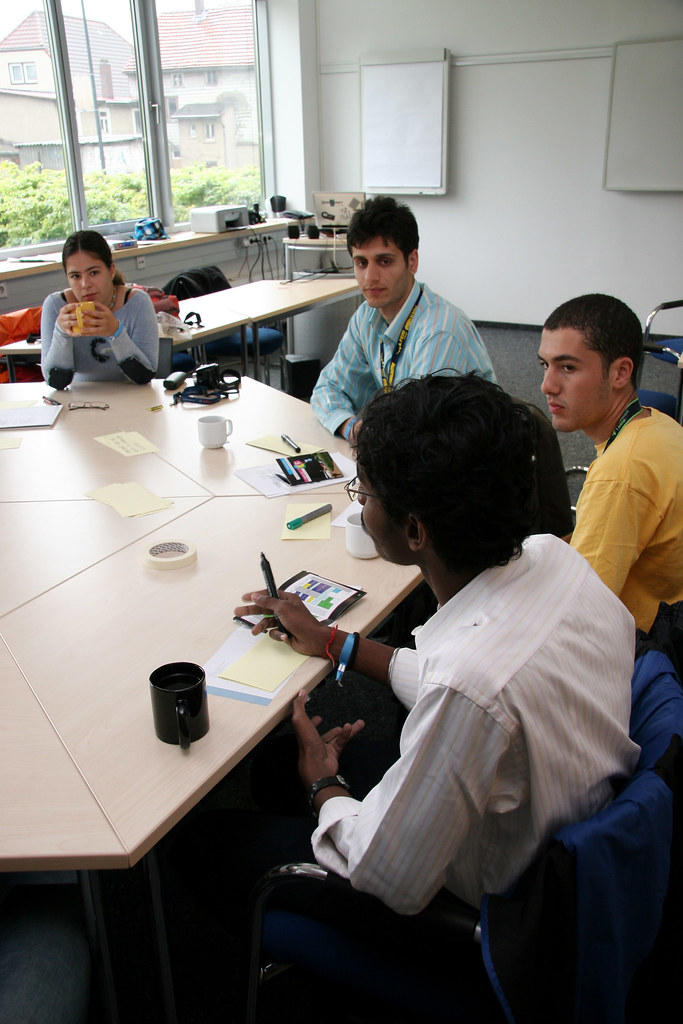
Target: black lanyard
388	380
630	412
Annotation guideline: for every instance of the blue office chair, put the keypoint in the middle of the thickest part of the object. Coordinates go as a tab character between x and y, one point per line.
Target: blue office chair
668	352
204	281
184	361
565	945
229	348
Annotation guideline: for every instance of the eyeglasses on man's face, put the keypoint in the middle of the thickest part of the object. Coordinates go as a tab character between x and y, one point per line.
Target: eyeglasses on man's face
354	491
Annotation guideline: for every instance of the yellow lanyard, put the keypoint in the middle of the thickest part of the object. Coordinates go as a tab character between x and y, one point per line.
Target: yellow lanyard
388	379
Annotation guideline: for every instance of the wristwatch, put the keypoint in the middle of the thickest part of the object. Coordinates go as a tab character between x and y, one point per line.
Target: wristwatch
328	780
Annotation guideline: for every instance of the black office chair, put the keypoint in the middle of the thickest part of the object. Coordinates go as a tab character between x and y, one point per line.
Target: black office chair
564	946
668	352
228	349
165	361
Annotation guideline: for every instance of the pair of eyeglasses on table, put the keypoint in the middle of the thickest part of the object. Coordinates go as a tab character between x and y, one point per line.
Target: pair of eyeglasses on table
87	405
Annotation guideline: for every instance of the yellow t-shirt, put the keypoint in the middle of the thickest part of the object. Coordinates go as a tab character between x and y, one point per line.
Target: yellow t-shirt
629	516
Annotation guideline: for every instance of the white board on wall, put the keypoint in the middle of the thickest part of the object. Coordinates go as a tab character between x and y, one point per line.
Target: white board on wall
404	122
644	150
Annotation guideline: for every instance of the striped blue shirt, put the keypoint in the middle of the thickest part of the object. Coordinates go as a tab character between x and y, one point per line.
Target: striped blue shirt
441	339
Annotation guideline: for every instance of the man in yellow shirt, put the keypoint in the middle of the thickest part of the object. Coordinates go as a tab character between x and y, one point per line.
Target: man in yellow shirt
629	517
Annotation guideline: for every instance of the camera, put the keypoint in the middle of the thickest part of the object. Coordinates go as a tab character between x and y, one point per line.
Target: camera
208	376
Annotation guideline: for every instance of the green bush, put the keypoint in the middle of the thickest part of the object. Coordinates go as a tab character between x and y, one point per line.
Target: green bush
34	202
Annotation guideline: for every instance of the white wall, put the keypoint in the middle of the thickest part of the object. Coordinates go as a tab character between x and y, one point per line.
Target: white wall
526	223
292	32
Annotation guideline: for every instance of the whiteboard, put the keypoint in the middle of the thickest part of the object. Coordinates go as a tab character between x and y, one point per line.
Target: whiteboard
644	149
404	122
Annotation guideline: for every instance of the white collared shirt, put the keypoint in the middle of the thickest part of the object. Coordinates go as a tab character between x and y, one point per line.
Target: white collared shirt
519	725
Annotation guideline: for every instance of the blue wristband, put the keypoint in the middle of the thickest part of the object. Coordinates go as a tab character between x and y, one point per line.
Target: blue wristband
119	330
346	655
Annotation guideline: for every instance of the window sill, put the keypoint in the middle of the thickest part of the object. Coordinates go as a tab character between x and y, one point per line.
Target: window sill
49	262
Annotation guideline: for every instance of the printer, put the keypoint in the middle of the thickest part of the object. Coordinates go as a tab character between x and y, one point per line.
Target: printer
212	219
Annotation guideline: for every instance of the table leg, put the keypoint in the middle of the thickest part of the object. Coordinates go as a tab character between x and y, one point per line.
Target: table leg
245	349
97	934
256	351
156	907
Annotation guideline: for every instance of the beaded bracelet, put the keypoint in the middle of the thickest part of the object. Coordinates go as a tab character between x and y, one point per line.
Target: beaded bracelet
328	653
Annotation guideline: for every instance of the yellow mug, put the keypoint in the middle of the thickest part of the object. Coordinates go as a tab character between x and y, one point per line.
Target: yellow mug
81	308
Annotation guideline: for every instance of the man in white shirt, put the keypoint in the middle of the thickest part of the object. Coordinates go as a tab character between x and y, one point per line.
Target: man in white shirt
519	690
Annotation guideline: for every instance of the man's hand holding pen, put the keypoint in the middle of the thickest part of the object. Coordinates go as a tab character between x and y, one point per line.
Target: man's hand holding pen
308	635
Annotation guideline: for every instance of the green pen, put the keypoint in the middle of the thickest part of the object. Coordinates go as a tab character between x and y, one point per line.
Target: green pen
294	524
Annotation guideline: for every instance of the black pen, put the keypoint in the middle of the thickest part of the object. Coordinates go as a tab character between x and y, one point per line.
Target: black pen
246	622
50	401
292	444
272	589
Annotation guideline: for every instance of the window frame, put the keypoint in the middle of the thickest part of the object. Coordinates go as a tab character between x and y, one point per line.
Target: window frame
152	115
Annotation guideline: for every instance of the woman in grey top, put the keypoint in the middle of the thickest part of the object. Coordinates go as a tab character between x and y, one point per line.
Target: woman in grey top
119	338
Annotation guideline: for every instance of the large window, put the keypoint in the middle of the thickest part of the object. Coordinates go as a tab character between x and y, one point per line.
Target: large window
88	137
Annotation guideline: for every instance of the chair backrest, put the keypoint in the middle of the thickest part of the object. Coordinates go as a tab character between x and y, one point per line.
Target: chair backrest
669	351
165	362
599	892
198	281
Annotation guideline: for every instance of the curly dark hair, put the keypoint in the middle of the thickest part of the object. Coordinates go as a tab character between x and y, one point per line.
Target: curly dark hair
93	243
383	217
458	454
607	324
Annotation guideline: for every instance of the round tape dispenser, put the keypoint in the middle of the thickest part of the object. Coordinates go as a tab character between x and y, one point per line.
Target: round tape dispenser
170	554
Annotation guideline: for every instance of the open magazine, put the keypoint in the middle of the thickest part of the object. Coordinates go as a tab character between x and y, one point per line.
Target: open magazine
308	469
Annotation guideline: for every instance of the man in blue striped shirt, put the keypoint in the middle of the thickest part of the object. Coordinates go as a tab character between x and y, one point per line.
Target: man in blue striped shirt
403	329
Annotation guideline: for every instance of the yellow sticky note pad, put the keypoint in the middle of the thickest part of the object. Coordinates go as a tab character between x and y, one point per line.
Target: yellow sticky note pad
128	442
273	443
317	529
265	666
130	499
9	442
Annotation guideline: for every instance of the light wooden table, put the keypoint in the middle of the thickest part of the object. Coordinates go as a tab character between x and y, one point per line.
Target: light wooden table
86	622
25	350
181	467
46	806
88	646
261	301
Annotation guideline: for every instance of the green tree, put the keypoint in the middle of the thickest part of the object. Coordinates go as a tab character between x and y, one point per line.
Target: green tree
34	201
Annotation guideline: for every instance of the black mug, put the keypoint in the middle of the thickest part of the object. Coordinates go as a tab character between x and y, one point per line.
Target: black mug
179	704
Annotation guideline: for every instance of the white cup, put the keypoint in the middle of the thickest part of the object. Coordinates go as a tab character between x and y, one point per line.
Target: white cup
214	431
358	542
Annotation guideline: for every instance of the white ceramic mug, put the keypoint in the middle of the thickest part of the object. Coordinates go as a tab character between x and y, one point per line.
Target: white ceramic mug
358	542
214	431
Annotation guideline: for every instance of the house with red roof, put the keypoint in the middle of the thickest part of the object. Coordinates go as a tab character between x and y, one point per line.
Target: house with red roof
107	109
209	79
209	75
